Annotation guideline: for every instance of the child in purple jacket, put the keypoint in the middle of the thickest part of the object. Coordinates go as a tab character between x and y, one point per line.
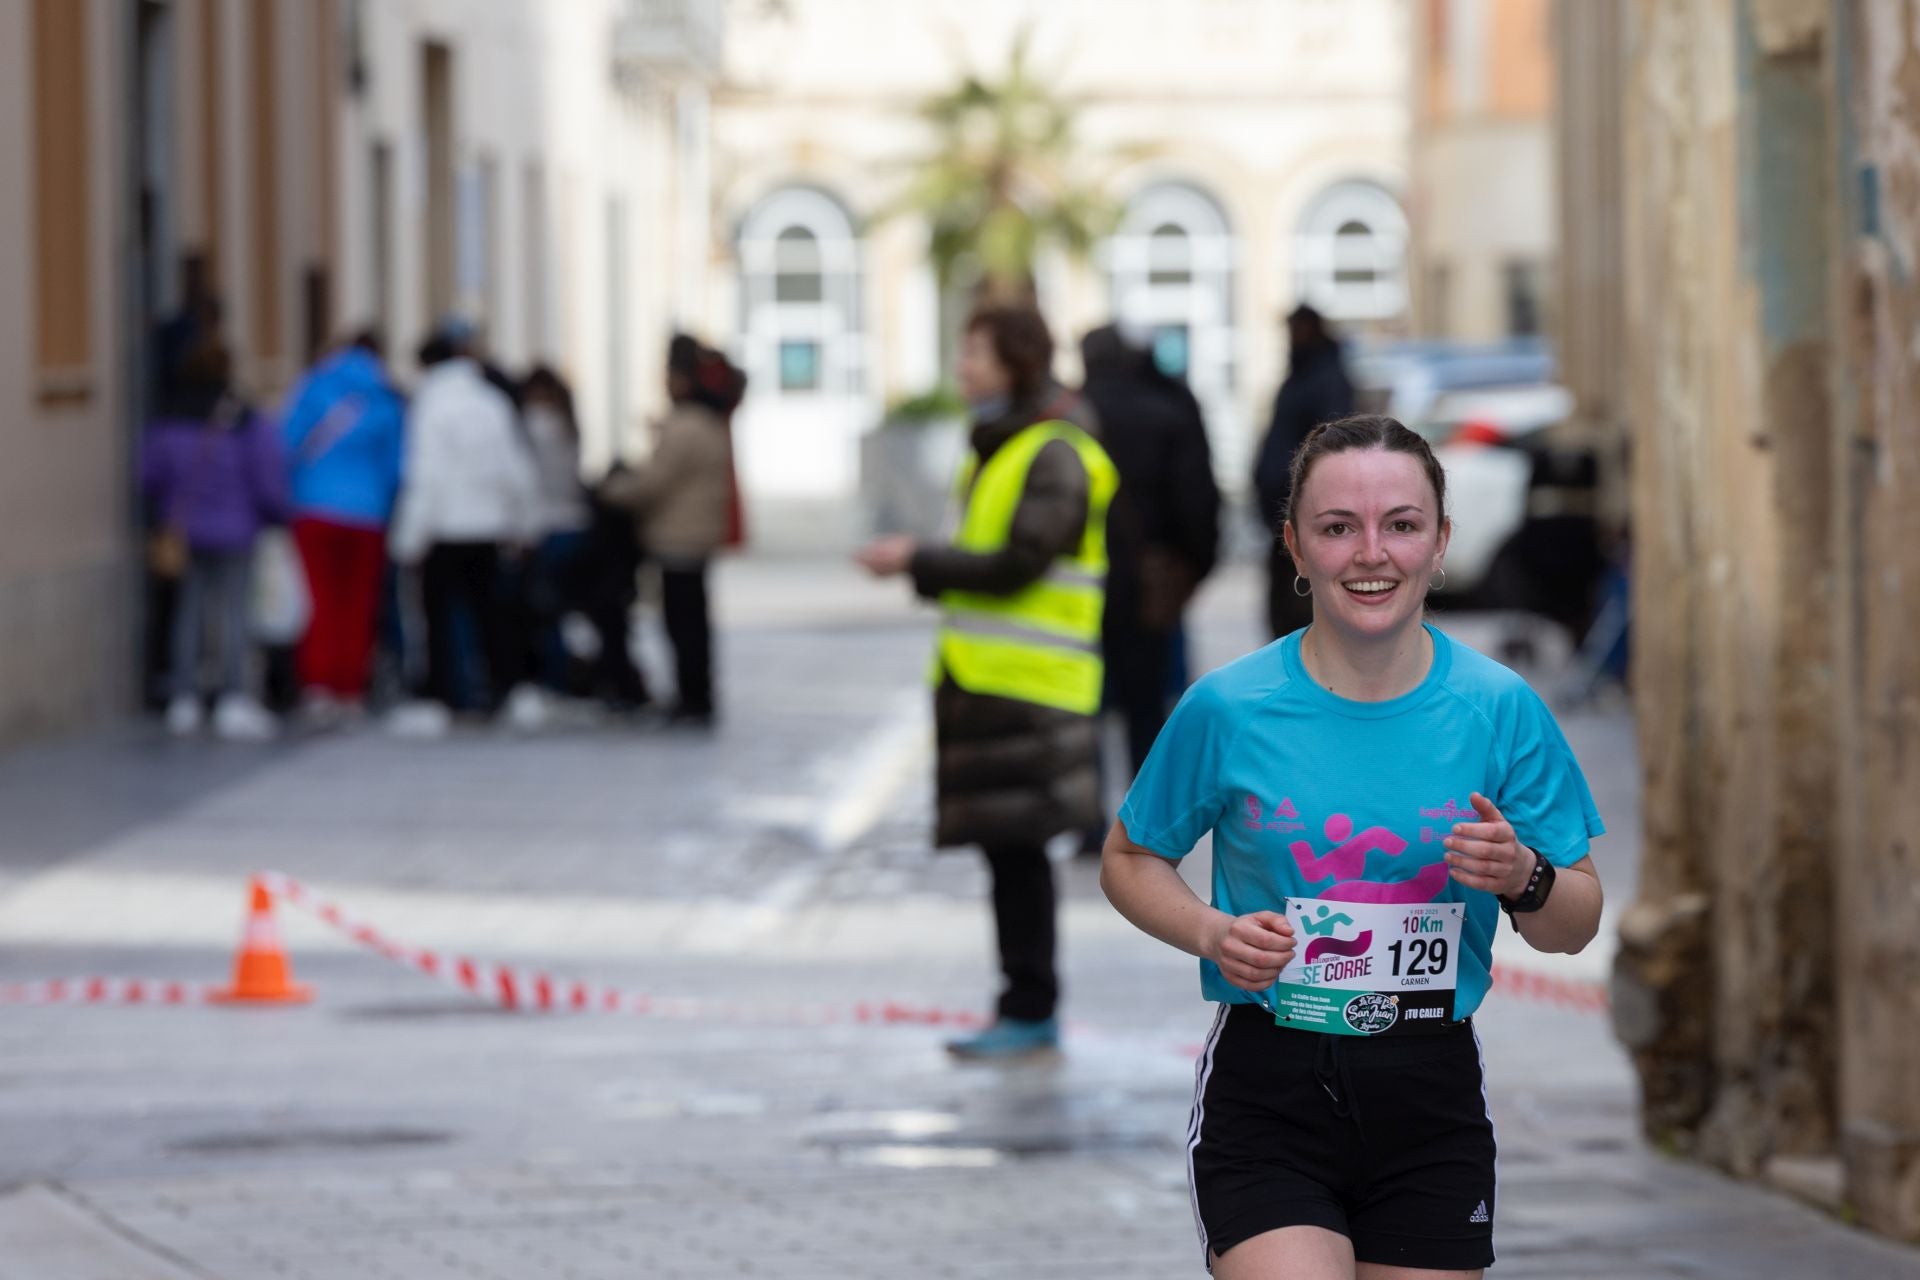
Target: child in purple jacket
214	478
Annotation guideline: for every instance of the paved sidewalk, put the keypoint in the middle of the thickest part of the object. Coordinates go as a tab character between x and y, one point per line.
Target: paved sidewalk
397	1128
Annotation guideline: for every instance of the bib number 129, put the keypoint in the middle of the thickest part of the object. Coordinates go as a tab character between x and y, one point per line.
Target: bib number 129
1420	956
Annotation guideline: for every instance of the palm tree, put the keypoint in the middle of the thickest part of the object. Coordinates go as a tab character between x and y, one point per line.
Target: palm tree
999	182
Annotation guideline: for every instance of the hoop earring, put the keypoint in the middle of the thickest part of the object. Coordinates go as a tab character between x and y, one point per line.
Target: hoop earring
1297	580
1441	585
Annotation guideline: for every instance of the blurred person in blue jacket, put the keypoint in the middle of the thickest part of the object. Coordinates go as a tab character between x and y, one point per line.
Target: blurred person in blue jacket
343	438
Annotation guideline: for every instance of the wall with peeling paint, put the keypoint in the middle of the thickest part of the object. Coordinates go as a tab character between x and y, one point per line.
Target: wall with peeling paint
1768	979
1708	559
1876	463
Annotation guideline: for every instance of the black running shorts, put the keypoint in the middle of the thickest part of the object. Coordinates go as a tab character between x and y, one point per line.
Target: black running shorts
1387	1141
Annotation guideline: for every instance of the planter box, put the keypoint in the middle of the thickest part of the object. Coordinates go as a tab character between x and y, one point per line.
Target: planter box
906	475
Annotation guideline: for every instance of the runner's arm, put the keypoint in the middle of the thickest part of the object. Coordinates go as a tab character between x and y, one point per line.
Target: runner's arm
1571	916
1147	889
1488	855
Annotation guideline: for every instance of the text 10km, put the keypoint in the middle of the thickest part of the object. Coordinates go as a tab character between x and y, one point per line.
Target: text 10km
1423	956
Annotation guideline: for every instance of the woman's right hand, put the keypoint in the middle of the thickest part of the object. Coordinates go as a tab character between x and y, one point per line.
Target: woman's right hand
1251	950
886	555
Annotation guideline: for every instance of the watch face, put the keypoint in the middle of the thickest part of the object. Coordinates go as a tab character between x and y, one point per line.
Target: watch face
1534	896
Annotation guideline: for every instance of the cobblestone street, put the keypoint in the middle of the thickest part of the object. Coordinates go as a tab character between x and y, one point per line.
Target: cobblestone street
397	1128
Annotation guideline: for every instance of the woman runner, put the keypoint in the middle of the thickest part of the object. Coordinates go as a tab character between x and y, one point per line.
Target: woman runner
1377	794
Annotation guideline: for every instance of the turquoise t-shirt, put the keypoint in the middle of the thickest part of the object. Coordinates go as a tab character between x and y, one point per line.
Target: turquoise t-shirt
1304	790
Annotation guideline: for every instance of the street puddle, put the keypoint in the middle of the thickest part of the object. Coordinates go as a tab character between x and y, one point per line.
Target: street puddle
934	1139
907	1126
624	1101
285	1140
911	1157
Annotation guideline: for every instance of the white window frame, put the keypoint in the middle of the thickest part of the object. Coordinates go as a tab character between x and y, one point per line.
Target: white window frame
1206	251
833	322
1320	253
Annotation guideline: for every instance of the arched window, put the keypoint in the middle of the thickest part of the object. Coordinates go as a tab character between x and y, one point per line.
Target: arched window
797	275
803	348
1171	265
1350	253
1169	255
800	286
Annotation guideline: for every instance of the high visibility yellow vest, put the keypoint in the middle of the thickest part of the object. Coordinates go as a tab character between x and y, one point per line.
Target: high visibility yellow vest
1042	643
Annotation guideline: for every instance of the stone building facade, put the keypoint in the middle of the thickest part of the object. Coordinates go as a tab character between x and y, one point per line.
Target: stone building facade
66	580
1482	181
541	169
319	166
1766	223
1258	153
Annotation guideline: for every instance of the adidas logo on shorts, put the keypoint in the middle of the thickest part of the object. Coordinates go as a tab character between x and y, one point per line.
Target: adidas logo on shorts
1480	1213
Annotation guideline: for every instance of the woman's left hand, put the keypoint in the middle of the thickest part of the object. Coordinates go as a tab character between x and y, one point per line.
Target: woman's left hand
1486	854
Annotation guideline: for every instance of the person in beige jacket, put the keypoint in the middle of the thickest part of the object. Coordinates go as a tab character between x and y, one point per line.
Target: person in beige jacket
682	497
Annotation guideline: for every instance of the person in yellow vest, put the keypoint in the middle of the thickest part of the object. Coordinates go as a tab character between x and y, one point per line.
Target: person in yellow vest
1017	668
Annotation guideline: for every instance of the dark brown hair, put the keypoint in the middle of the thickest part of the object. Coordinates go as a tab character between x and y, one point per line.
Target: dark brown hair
1021	344
1363	431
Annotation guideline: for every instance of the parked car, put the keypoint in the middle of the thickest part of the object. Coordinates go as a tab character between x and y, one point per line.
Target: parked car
1490	442
1478	404
1525	540
1408	380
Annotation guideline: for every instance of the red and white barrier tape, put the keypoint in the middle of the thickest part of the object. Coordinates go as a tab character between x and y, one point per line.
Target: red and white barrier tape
106	991
524	990
1571	993
536	992
529	990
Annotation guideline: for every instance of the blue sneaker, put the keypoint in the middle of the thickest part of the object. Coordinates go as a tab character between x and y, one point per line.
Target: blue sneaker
1008	1040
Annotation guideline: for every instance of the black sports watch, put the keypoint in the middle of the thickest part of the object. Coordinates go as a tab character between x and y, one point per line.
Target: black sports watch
1534	896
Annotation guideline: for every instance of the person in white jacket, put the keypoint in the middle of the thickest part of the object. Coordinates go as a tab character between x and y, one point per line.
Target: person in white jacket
470	497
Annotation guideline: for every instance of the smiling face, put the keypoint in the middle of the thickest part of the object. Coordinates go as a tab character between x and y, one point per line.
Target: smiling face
1367	534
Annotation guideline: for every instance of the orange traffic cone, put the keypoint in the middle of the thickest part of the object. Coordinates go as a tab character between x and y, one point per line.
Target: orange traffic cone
261	974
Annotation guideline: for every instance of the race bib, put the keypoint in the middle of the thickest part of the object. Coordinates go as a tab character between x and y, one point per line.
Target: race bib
1368	969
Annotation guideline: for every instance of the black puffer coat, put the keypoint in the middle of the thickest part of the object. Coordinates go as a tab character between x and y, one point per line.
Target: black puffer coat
1316	390
1013	772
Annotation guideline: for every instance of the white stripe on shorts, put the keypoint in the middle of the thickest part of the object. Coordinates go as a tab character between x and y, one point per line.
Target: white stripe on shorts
1201	1070
1480	1049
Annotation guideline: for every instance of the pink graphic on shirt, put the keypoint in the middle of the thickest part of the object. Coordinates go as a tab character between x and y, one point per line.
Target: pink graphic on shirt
1339	946
1347	862
1426	886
